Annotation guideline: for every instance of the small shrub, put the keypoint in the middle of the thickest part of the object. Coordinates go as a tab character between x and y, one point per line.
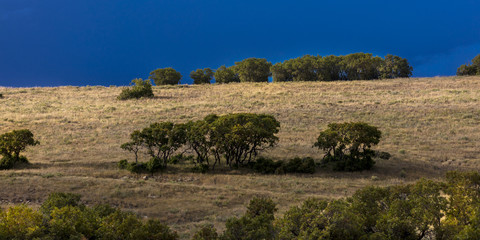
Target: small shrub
123	164
206	232
299	165
1	95
266	165
200	168
140	89
295	165
383	155
154	165
137	167
6	162
307	166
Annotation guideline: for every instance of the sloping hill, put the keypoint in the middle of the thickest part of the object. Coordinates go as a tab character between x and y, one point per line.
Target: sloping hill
430	125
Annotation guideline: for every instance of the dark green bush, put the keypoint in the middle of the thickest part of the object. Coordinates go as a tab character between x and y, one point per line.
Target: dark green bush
1	95
295	165
154	165
7	162
140	89
180	158
59	200
206	232
123	164
265	165
137	168
383	155
200	168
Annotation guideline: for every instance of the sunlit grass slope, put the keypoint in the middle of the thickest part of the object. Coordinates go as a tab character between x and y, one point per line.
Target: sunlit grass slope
429	125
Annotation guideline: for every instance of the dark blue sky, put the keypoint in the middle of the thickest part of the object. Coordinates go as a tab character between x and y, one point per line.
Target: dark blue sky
110	42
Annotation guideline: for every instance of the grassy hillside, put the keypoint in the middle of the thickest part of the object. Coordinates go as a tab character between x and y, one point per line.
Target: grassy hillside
430	125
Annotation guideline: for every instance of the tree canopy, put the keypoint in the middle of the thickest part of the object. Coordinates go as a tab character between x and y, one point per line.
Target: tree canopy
202	76
165	76
253	70
470	69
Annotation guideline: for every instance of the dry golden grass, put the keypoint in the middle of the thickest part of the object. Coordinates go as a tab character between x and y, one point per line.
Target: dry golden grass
430	125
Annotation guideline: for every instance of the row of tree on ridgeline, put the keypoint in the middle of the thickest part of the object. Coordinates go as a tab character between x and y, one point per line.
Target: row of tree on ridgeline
356	66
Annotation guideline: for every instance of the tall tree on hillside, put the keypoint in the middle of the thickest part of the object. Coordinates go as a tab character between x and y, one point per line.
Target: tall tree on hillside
165	76
395	67
225	75
470	69
253	70
202	76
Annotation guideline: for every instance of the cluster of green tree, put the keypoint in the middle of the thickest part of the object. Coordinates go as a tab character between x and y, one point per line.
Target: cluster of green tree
356	66
11	144
235	138
62	216
424	210
139	89
348	145
295	165
470	69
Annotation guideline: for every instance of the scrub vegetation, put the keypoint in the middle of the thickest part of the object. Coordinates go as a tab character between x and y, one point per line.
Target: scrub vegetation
429	126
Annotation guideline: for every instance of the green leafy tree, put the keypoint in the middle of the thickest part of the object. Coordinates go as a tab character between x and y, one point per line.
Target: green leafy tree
257	223
240	137
139	89
165	76
225	75
349	145
470	69
361	66
253	70
466	70
135	144
162	139
395	67
12	143
202	76
281	72
300	222
198	139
